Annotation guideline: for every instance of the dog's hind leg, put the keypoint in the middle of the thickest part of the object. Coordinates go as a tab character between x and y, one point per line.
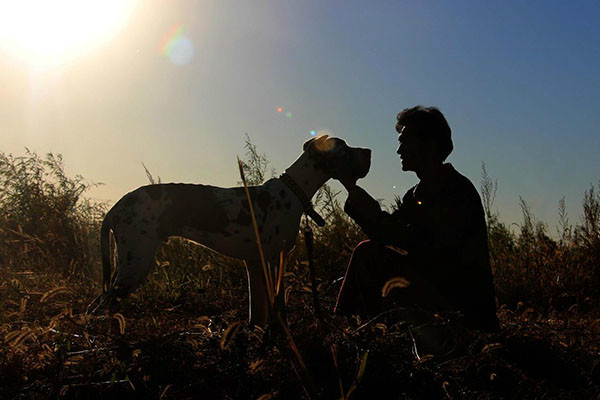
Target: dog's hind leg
133	265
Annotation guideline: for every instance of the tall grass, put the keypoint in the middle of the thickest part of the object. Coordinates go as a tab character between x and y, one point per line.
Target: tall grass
46	223
529	266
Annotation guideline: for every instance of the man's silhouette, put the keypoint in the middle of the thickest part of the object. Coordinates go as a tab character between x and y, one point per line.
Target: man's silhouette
439	227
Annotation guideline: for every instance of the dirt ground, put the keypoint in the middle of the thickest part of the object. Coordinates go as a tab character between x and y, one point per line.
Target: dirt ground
197	344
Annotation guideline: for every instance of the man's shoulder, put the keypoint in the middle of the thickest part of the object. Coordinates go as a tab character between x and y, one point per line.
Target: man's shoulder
458	183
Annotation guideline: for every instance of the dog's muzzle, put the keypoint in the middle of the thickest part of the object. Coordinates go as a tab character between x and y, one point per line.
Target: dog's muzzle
364	164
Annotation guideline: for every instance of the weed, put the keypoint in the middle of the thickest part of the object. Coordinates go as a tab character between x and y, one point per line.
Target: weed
45	222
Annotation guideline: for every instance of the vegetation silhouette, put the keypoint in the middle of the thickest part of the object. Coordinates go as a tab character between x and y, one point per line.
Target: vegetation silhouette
166	342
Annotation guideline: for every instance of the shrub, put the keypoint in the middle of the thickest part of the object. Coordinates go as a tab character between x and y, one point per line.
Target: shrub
45	222
587	235
531	267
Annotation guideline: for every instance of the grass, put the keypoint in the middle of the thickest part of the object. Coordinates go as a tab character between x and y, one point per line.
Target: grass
183	333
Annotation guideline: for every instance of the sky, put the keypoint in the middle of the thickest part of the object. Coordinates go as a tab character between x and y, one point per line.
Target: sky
177	85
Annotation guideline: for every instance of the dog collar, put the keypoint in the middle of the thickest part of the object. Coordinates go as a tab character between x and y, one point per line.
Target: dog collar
306	204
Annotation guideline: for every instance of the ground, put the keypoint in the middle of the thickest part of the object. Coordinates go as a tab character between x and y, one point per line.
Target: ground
190	340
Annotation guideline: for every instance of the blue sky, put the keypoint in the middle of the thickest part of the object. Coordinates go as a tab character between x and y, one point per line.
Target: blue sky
519	83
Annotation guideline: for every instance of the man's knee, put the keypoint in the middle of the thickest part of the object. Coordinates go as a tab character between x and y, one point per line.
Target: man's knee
372	263
366	248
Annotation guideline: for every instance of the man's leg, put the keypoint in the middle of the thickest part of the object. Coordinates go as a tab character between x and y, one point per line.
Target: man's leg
370	267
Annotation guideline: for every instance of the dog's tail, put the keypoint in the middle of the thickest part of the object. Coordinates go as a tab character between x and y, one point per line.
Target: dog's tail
104	297
106	256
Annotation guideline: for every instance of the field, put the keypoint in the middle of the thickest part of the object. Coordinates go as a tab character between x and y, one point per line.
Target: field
184	333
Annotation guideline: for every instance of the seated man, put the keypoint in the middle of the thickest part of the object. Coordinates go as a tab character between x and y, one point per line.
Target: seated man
439	227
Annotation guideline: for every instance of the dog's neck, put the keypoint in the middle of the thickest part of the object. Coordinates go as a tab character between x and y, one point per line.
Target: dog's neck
306	176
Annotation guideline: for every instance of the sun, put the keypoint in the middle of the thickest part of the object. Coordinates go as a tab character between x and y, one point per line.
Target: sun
49	33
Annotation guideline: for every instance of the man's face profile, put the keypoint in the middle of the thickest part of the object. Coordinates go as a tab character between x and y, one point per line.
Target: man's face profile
414	152
408	148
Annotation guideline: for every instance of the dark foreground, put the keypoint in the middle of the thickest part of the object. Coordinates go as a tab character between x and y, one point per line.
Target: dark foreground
190	340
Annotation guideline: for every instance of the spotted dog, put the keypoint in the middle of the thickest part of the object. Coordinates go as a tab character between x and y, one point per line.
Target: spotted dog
219	218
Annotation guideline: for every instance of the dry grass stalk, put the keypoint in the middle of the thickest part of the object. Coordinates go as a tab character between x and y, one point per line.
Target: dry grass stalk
281	273
361	371
359	374
337	370
54	292
392	283
229	334
121	320
266	271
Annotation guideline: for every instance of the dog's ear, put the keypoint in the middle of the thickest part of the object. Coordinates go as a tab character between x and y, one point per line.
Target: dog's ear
308	143
335	145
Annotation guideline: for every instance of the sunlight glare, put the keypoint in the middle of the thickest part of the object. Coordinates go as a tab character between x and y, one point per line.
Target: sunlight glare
44	33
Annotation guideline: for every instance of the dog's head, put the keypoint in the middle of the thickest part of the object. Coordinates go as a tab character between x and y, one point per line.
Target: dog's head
338	160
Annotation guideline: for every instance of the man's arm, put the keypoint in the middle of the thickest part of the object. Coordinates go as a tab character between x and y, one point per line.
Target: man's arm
379	225
364	209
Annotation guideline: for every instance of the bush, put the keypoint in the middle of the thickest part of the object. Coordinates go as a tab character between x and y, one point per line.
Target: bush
532	268
587	235
45	222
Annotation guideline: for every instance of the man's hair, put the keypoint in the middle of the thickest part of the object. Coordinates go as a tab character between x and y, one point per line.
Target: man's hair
430	125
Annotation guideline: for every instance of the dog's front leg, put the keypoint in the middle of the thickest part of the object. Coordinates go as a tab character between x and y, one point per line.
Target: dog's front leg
257	291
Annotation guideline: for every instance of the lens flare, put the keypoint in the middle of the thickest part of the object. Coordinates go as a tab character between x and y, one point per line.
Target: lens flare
322	132
288	114
177	47
279	109
324	145
313	133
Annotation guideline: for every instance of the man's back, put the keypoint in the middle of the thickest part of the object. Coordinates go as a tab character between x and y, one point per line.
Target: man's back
450	245
442	226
